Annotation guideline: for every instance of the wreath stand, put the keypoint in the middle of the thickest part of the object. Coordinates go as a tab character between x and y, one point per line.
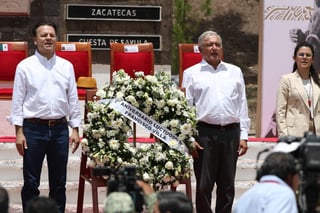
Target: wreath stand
86	173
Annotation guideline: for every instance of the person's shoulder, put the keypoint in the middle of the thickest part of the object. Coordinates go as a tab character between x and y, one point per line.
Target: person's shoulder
288	76
193	67
230	65
27	60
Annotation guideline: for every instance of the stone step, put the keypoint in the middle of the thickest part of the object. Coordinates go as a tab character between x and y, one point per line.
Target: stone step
13	170
14	189
11	177
70	208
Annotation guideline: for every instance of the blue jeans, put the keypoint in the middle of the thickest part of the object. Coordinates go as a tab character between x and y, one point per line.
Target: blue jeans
52	142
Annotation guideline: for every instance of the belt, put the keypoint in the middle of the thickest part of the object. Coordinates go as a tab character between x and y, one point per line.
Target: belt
220	127
46	122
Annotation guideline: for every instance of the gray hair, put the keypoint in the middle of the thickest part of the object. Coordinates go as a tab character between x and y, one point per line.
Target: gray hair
205	35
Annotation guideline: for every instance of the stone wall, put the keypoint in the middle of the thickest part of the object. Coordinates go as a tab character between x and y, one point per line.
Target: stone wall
236	20
17	26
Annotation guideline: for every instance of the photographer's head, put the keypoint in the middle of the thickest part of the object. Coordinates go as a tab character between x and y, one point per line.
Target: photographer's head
119	202
280	164
171	201
42	204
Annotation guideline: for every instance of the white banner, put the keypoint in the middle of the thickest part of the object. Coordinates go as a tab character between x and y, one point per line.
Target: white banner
148	123
284	23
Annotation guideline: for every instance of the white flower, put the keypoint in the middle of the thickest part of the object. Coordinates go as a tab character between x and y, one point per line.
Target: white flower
172	102
96	134
139	74
119	160
192	139
174	123
186	129
101	143
158	147
102	130
169	165
110	93
116	124
101	93
173	143
151	78
159	156
146	177
149	101
144	147
84	142
119	96
114	144
181	137
111	133
160	103
144	159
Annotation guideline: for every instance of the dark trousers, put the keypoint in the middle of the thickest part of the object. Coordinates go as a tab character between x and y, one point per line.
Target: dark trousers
52	142
216	165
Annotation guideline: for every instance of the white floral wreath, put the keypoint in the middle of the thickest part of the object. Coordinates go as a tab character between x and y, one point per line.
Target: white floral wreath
107	131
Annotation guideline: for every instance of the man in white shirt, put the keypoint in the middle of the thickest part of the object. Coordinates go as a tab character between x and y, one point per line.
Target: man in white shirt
44	101
217	90
274	193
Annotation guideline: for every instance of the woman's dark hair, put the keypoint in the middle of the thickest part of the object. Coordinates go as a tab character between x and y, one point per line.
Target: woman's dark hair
313	73
41	23
171	201
279	164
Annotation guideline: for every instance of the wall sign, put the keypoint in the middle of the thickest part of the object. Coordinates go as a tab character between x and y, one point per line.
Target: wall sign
113	12
102	41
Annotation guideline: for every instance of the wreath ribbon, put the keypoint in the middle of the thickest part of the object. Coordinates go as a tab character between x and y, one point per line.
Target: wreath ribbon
148	123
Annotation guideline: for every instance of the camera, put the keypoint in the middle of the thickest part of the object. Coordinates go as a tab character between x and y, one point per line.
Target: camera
122	180
306	151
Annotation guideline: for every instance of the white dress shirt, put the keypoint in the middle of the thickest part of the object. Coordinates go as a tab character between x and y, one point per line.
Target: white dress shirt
218	94
45	89
186	77
270	195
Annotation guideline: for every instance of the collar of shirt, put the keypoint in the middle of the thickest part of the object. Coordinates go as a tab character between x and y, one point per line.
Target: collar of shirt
221	66
44	61
272	179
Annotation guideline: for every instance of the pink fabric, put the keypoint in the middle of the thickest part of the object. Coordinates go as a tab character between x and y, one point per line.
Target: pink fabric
273	140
